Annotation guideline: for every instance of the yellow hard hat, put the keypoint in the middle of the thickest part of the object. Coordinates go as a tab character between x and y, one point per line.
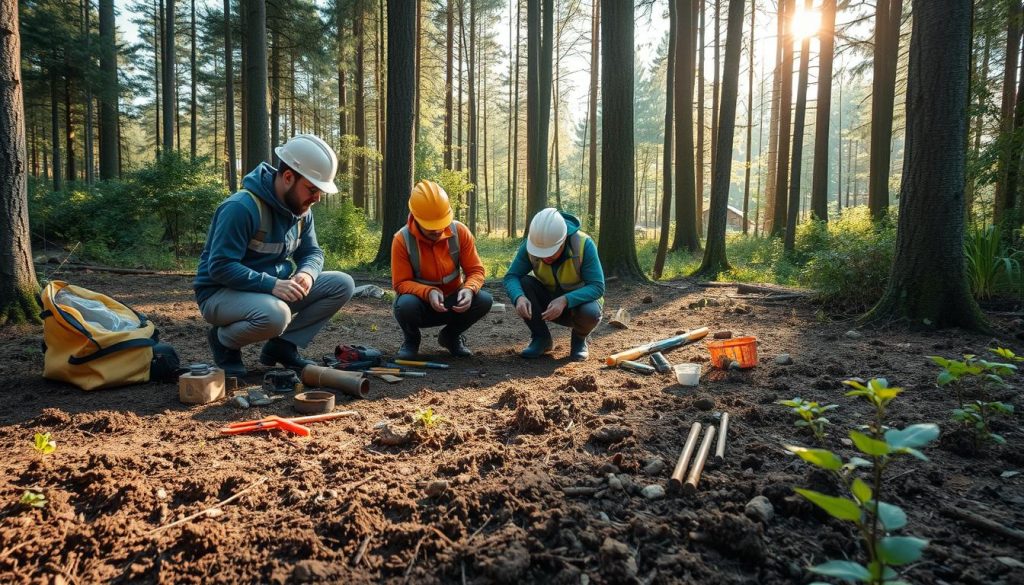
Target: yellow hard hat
429	204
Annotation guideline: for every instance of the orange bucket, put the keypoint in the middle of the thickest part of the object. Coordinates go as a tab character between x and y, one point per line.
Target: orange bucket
742	350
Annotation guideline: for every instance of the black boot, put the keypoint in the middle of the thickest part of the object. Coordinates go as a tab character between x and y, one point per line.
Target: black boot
279	351
578	348
455	344
410	349
227	359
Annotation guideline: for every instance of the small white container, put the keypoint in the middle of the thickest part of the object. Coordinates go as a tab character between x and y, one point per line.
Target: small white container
497	307
687	374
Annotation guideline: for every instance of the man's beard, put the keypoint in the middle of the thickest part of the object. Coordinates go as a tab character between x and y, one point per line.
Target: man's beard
292	200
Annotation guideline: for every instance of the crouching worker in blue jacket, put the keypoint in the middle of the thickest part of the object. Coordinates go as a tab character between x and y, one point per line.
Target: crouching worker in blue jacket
566	287
246	285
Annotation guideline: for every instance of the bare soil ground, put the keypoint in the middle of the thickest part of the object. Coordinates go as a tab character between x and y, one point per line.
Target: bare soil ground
479	498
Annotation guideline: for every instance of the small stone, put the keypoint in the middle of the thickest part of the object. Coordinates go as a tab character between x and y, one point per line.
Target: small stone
647	300
161	494
310	570
723	335
653	492
584	579
760	508
704	404
654	466
603	517
436	488
751	462
853	334
846	442
240	402
614	483
784	359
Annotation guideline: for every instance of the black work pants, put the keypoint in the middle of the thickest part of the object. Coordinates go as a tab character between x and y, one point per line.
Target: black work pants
582	319
413	313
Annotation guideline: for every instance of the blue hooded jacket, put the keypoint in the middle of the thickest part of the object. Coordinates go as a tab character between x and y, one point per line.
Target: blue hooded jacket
591	271
227	261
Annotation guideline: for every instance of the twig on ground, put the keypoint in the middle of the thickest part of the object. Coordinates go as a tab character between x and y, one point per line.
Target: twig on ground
984	523
207	511
362	550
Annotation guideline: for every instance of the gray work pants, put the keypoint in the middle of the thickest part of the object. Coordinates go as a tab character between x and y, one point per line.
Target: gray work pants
248	317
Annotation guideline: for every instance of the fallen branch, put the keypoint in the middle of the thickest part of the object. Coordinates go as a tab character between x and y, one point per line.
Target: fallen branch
754	289
579	491
984	523
208	510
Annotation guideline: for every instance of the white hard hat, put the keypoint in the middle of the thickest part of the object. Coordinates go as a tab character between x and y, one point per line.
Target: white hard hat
310	156
547	232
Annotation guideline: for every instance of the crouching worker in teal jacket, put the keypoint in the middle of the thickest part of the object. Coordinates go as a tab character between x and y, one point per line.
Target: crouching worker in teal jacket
566	287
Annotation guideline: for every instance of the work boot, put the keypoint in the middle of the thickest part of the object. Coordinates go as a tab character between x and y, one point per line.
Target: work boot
410	349
279	351
227	359
538	347
578	349
456	345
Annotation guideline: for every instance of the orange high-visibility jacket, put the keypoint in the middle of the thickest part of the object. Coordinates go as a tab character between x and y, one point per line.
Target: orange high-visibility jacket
435	262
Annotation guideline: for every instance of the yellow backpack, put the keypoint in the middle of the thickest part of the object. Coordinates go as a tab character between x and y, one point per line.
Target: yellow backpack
93	341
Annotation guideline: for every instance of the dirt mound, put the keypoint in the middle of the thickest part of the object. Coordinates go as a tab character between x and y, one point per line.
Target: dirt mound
736	535
585	383
529	418
108	421
51	417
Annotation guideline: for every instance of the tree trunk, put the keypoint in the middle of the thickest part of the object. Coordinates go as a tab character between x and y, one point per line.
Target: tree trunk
509	169
257	137
342	95
419	70
715	261
595	36
715	86
793	214
381	105
514	196
616	244
687	235
109	167
69	124
229	102
18	286
472	119
773	126
87	157
928	282
58	172
460	145
699	193
192	102
750	118
666	167
978	130
167	63
275	80
883	94
778	223
448	87
401	82
359	161
538	97
1005	211
819	181
483	82
158	55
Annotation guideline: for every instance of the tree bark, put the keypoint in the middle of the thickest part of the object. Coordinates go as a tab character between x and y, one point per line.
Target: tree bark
18	286
750	118
698	217
69	124
87	153
778	222
666	167
883	93
514	196
109	167
538	110
773	126
616	244
192	102
274	19
58	174
687	234
167	63
595	57
359	161
826	44
928	282
257	137
419	69
401	82
796	168
473	122
344	155
1009	144
715	85
715	261
158	55
448	87
229	102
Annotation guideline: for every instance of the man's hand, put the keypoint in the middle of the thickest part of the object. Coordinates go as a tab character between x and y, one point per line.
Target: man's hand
523	308
555	308
305	280
464	300
288	290
437	301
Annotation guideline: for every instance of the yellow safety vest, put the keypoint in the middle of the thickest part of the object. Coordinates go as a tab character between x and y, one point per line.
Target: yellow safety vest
570	273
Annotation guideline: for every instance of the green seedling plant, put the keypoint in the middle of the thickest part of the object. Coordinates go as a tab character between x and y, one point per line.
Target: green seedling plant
811	415
976	415
44	444
33	499
954	372
876	520
428	419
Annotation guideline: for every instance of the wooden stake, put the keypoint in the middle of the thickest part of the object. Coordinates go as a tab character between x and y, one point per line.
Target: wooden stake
676	481
698	464
723	430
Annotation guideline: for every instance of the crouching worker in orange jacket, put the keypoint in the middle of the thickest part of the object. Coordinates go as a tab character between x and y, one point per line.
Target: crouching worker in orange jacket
437	274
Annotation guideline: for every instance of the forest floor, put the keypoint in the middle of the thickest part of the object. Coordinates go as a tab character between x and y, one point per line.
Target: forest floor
480	498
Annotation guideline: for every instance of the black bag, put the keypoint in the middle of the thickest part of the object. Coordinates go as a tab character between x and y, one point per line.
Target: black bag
166	366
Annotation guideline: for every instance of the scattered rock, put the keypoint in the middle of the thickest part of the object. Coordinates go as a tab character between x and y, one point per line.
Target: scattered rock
722	335
618	561
587	383
654	466
784	359
259	398
647	300
394	438
653	492
704	404
846	442
310	570
614	483
161	494
240	402
436	488
853	334
760	509
610	434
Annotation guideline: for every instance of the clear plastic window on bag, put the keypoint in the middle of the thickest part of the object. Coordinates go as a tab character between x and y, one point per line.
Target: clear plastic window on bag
96	313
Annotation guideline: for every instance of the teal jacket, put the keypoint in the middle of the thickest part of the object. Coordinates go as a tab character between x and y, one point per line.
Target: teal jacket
591	270
227	261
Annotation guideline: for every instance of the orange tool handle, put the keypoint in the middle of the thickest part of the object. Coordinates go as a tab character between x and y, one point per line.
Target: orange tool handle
296	419
238	429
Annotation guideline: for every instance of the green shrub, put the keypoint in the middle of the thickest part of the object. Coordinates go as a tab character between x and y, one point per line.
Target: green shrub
991	267
344	234
851	265
456	184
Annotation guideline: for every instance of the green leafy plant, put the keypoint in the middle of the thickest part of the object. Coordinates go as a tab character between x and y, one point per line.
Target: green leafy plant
988	262
428	419
876	520
976	415
1007	354
44	444
811	415
30	498
955	372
